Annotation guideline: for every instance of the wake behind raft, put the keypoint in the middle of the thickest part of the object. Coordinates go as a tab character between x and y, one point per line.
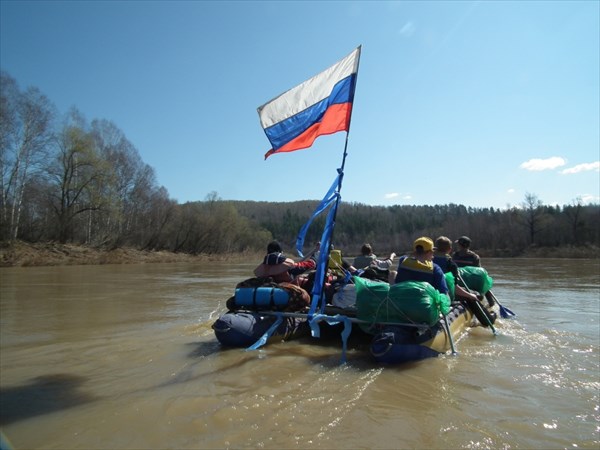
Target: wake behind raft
402	322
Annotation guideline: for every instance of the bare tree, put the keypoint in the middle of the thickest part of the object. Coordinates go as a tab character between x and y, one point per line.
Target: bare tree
77	175
573	213
128	177
25	132
532	215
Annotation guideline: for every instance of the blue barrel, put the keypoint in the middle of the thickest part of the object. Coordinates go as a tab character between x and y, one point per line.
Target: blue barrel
261	298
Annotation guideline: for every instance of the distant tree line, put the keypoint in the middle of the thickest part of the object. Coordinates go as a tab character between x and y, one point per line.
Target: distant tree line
496	232
65	180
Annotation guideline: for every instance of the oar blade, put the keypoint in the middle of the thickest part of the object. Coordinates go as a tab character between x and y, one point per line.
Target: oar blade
506	313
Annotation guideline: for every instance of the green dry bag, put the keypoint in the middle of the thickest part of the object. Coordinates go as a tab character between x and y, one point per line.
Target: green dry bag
370	295
406	302
476	278
451	283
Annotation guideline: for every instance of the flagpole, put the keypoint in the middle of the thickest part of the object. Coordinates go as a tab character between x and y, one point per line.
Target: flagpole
350	119
341	176
288	131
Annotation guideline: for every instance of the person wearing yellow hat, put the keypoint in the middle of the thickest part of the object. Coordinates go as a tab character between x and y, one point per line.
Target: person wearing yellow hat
420	266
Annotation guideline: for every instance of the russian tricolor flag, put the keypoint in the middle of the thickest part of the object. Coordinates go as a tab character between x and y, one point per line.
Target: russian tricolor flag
321	105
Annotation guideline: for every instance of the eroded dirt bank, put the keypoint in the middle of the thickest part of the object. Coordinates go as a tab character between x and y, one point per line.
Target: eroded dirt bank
23	254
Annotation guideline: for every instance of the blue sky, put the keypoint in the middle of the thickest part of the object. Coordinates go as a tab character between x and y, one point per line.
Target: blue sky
474	103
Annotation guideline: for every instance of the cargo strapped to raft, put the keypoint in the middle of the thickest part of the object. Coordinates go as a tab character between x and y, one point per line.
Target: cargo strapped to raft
265	297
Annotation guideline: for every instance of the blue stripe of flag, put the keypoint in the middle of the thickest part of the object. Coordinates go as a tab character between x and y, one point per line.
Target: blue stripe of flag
283	132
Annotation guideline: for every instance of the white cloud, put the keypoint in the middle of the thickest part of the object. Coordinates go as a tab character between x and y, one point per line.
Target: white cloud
585	167
537	164
398	196
588	198
511	191
408	29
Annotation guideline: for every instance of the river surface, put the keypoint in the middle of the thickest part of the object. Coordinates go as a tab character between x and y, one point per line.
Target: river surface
124	357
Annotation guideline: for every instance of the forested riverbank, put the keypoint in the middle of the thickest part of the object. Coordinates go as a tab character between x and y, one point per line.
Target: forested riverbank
78	192
22	254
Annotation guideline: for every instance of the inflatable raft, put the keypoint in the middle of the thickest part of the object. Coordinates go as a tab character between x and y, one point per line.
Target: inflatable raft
246	328
400	323
260	311
401	330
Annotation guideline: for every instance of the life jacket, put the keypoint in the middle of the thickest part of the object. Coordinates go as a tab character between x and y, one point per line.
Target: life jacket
411	269
335	263
415	265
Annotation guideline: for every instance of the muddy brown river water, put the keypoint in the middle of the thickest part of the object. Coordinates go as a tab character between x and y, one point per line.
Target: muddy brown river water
124	357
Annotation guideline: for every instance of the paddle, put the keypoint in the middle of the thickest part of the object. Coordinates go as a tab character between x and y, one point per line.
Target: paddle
310	254
504	312
478	305
449	333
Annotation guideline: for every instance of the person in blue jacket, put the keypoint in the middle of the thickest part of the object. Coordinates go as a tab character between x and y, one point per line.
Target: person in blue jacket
420	266
443	246
441	257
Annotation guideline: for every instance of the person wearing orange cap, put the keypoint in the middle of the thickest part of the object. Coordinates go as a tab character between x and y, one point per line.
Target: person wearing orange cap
420	266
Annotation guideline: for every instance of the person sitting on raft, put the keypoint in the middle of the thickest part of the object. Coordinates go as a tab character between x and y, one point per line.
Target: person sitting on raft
420	266
443	246
463	256
279	268
441	256
368	259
